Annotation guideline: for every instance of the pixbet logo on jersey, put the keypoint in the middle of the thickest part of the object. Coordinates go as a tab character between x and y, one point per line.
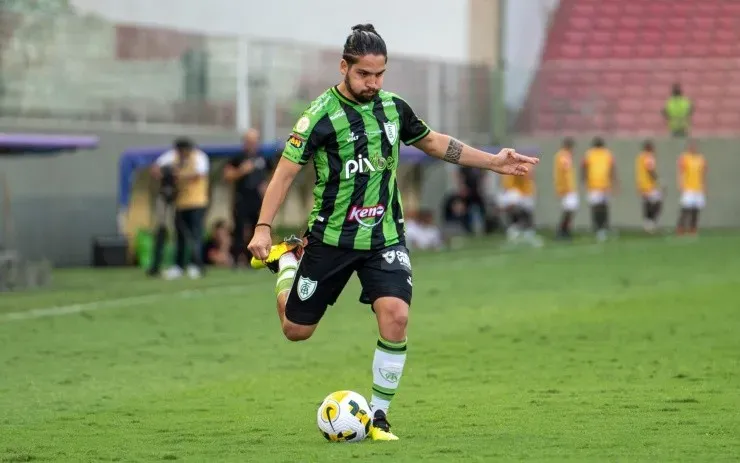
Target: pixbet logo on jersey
364	165
367	216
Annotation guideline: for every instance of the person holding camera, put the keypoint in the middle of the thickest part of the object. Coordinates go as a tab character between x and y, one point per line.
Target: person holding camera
183	176
247	172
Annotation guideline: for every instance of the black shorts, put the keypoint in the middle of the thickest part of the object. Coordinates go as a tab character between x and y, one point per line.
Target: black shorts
324	271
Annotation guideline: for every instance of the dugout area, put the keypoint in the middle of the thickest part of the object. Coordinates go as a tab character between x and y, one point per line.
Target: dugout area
16	270
137	191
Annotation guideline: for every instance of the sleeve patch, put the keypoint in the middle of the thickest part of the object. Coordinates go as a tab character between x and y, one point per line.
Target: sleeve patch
296	140
302	125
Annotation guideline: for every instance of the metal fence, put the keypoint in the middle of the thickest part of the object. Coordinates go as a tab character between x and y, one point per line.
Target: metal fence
64	66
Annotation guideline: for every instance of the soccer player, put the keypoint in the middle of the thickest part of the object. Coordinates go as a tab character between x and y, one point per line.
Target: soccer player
564	179
525	187
600	176
509	201
692	171
353	133
646	175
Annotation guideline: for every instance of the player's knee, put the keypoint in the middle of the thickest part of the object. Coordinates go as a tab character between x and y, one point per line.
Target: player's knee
296	333
397	317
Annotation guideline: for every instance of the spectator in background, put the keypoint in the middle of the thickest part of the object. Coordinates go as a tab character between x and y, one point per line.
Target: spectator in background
646	176
421	232
677	112
217	249
189	168
455	215
470	184
247	172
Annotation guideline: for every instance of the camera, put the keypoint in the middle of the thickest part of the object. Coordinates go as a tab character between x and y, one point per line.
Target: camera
168	185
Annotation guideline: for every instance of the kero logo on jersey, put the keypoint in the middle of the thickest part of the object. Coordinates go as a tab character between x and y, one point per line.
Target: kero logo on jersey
366	214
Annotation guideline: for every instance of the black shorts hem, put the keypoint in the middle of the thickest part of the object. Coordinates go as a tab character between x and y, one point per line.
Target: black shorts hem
303	321
391	291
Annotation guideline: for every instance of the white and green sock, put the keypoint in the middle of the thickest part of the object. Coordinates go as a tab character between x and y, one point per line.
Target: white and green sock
387	369
287	265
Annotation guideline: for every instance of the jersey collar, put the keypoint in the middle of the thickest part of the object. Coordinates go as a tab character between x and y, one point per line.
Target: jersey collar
367	106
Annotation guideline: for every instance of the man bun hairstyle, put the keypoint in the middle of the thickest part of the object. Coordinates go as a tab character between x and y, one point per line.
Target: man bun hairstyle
364	40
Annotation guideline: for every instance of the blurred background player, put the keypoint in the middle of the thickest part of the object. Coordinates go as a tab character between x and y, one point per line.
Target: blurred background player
508	202
646	176
526	189
247	172
692	170
600	176
564	179
517	201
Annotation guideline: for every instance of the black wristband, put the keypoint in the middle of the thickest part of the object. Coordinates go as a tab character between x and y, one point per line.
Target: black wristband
264	225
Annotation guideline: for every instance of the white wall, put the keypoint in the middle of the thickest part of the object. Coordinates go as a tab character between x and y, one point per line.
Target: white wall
526	23
424	28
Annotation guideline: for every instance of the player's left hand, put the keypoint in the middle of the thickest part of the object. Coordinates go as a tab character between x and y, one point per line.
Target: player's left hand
509	162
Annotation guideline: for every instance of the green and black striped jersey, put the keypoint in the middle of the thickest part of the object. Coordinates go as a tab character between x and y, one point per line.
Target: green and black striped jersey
355	150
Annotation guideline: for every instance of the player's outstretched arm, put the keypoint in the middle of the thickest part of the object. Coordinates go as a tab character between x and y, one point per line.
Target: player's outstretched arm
277	189
449	149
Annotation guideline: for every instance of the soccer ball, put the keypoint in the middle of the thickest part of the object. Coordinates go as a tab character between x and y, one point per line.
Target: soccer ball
344	416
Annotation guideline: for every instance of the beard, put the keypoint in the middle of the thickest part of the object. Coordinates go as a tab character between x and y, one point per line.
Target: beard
364	97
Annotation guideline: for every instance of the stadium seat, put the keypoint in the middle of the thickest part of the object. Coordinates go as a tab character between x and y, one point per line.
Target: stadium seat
623	56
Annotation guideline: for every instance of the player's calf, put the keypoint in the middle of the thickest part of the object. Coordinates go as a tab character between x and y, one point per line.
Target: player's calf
390	353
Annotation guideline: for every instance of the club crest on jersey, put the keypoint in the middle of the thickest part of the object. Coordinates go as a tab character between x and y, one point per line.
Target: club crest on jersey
389	256
391	131
366	214
306	288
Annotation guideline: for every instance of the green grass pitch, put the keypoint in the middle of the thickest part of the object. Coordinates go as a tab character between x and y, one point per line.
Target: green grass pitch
626	351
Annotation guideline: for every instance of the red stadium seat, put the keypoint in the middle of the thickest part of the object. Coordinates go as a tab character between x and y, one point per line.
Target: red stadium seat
725	36
629	22
619	59
729	121
703	23
638	91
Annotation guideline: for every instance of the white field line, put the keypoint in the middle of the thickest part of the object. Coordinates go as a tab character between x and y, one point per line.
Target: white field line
121	302
500	256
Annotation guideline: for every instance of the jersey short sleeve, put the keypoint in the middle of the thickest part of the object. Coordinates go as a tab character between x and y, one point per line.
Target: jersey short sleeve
307	137
201	163
413	128
166	158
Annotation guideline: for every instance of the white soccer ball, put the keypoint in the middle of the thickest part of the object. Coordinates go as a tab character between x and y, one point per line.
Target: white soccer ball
344	416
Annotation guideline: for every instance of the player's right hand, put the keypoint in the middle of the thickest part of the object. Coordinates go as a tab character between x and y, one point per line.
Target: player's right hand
261	243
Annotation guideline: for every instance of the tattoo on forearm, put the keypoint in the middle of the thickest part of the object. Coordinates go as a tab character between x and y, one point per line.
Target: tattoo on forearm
454	150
